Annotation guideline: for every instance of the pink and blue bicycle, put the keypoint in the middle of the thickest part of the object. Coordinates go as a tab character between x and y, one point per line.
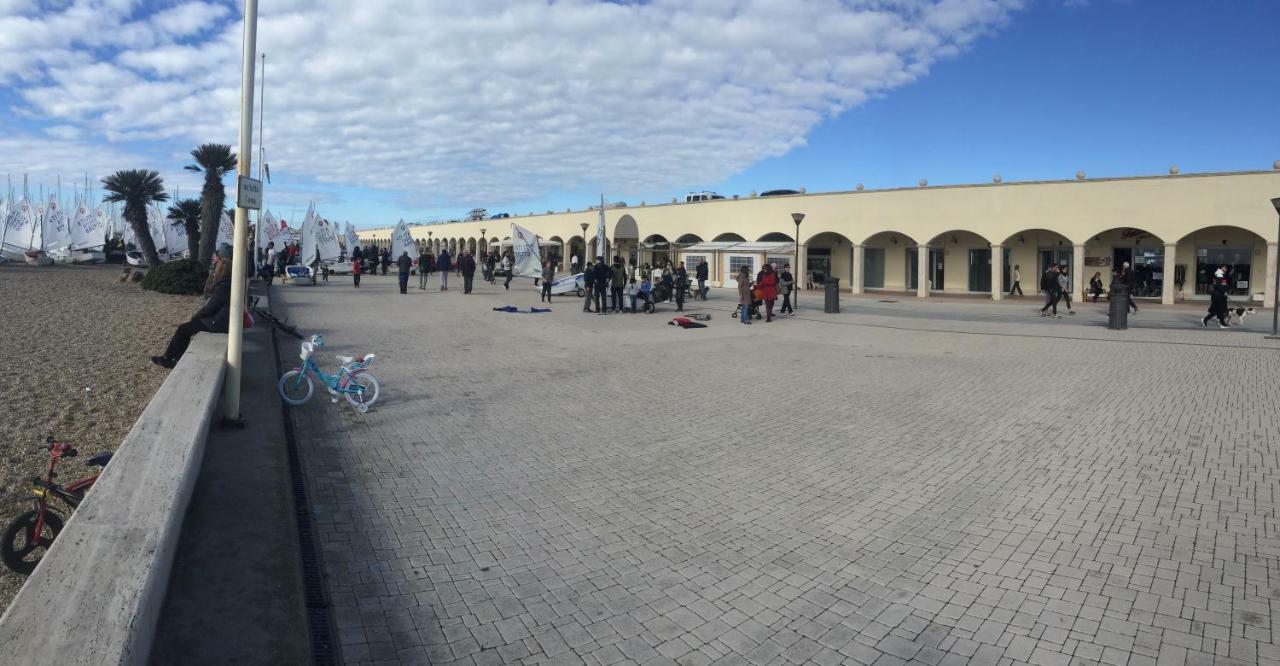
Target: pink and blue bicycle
352	381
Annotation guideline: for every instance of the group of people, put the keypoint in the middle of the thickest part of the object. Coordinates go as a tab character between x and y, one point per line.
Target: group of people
610	287
1055	284
764	290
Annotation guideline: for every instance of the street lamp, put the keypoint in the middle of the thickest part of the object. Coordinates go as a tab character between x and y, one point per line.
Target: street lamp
795	277
584	226
484	238
1275	302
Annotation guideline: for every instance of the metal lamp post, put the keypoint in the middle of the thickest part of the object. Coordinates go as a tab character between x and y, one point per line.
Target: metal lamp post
584	226
795	277
1275	302
239	262
484	238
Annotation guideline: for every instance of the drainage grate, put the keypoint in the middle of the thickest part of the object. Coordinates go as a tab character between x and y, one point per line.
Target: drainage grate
886	301
324	643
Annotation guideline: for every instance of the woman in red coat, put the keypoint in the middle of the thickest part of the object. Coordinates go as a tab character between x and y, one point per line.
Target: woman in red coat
768	286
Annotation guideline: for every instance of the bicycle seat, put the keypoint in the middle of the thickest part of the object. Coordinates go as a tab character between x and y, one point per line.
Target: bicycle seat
344	359
99	460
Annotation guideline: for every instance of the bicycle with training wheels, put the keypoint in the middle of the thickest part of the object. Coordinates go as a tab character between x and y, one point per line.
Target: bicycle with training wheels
352	381
29	536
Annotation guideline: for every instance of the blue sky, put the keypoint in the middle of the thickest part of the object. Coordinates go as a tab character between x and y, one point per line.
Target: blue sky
626	99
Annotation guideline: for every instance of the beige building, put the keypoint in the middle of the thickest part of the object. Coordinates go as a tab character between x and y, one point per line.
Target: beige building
1175	230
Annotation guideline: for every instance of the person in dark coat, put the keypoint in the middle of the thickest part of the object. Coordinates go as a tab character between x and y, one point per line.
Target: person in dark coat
601	276
405	264
701	272
212	317
386	260
467	266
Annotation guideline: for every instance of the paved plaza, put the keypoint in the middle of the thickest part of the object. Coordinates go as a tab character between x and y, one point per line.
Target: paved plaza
879	486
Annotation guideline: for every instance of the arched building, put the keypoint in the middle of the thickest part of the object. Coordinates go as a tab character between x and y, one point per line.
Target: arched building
963	239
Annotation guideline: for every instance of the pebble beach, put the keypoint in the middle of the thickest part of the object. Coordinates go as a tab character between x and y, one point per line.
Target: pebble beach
76	343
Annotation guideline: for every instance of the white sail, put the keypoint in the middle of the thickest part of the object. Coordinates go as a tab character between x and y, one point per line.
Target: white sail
88	230
353	241
402	241
272	232
18	229
307	250
601	243
175	237
524	245
327	241
156	223
37	229
226	230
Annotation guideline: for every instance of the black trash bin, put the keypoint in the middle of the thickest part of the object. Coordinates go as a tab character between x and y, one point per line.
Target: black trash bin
832	301
1118	310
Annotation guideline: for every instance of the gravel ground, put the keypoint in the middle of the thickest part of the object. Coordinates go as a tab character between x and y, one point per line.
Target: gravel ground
75	343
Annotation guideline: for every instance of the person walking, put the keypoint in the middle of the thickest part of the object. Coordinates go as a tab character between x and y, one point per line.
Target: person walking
212	317
786	282
269	262
1049	285
574	266
508	265
588	283
422	272
768	285
1017	281
681	280
1130	281
386	260
357	267
548	274
701	274
1218	302
1064	288
744	294
1095	285
467	267
617	283
443	264
405	264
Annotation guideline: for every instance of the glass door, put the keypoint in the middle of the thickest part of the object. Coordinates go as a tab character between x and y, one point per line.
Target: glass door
873	268
1053	255
936	261
1239	263
980	270
913	268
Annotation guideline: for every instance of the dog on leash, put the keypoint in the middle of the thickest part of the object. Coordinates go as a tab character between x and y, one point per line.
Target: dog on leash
1236	315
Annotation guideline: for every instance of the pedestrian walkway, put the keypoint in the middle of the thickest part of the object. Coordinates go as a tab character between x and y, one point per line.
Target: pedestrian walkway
863	487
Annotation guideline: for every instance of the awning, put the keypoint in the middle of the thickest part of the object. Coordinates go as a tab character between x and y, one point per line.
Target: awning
779	248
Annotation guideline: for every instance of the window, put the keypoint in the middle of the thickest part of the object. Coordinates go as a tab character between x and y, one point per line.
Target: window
691	261
736	262
780	261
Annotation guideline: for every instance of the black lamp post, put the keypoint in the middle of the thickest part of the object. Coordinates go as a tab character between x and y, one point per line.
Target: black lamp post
484	240
795	277
1275	301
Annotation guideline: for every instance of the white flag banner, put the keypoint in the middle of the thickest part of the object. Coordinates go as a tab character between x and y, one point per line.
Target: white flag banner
226	230
524	246
156	223
87	230
600	239
353	241
57	230
402	241
327	241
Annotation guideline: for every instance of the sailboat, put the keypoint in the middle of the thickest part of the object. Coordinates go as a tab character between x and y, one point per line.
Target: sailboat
88	237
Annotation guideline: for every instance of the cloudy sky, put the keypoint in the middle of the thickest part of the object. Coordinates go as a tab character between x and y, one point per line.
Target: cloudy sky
423	109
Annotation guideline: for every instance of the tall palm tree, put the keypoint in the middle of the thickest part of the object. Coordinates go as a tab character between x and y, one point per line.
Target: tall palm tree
187	213
214	160
137	188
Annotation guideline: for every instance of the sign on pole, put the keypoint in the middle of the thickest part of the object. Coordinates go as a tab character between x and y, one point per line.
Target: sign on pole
249	193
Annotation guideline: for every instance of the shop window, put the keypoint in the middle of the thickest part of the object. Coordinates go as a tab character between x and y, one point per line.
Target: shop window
1239	263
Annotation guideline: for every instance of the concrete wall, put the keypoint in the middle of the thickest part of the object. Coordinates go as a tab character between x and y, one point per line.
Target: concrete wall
96	595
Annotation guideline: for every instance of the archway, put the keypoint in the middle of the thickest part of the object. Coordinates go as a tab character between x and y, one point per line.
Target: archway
887	262
656	251
728	238
556	252
471	246
688	239
577	251
1027	255
626	238
776	237
1201	252
1106	251
959	262
826	254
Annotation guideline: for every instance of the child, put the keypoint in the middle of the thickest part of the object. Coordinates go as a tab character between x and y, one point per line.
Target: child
357	268
646	295
632	291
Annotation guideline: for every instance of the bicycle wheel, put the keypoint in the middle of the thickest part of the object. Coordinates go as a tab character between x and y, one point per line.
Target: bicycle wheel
369	393
295	387
21	548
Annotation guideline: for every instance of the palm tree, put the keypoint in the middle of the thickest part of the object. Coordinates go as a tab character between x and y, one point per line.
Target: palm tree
187	213
137	188
214	160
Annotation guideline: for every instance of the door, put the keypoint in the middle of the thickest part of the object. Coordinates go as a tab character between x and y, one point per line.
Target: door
937	259
1007	275
980	270
913	269
1120	255
1053	255
873	268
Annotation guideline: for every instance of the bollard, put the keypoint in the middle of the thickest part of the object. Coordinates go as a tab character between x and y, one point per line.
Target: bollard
832	301
1118	312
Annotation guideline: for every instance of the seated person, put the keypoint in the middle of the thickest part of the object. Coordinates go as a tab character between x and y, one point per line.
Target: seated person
212	317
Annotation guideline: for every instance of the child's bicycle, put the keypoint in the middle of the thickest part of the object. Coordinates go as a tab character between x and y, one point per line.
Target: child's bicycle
352	380
29	535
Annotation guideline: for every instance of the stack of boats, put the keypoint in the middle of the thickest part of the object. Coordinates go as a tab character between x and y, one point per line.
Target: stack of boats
44	234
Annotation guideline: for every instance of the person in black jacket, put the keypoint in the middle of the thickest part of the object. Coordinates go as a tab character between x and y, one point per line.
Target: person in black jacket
405	264
1052	291
467	264
601	276
212	317
701	273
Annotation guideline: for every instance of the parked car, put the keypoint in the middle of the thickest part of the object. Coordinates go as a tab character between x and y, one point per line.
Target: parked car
701	196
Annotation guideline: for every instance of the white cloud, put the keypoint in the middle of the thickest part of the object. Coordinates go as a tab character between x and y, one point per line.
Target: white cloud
487	101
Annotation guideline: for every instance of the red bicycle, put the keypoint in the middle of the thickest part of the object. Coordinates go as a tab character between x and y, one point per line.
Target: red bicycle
29	535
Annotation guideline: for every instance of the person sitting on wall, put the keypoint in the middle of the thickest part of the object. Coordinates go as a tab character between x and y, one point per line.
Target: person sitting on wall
212	317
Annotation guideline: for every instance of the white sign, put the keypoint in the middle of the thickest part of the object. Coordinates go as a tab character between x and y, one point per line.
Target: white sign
249	193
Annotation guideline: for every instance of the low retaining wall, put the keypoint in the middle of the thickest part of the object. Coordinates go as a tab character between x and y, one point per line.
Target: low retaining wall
97	593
